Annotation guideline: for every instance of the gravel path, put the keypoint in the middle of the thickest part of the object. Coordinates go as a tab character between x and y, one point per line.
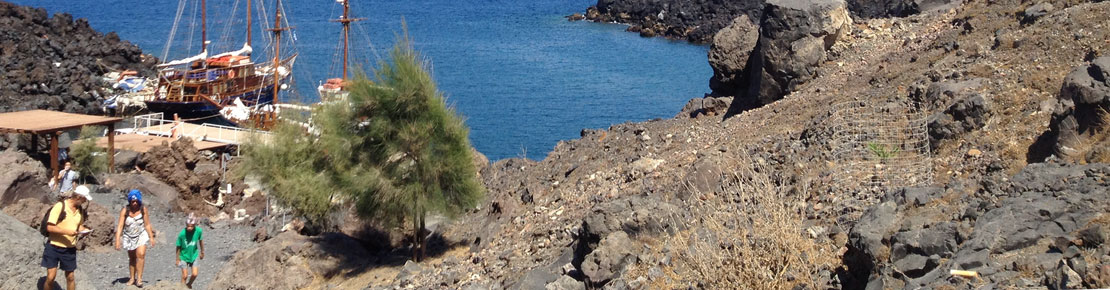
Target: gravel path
108	269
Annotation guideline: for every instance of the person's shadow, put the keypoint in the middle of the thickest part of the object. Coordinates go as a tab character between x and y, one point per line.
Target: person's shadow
55	283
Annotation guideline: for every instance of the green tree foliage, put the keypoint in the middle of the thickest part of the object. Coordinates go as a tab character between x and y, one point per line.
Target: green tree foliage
392	146
88	158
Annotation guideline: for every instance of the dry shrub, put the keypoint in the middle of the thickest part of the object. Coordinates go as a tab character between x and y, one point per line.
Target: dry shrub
1092	148
752	237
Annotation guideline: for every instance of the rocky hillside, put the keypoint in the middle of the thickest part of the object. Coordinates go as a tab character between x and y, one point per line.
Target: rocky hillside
1013	184
56	63
641	205
22	252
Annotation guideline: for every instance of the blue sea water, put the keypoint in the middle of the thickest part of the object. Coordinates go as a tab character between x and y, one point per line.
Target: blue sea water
521	75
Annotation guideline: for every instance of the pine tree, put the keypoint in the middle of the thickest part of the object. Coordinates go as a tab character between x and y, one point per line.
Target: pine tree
392	146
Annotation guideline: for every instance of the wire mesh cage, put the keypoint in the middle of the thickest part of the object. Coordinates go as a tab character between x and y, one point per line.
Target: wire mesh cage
881	144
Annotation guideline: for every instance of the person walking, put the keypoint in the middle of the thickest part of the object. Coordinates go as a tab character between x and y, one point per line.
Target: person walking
63	182
188	241
64	223
133	232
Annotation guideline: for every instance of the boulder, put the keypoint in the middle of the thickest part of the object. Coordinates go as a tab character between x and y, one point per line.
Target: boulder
729	54
1080	109
22	177
794	36
157	195
103	223
126	160
638	213
1035	12
609	259
409	273
704	106
965	115
174	163
870	235
22	252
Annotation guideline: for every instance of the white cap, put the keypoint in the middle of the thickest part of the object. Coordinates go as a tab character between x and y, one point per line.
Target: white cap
83	192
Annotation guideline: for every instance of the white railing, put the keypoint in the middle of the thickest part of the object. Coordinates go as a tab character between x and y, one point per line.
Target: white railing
154	124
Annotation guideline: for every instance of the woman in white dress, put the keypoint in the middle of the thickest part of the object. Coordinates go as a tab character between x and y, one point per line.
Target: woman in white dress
133	233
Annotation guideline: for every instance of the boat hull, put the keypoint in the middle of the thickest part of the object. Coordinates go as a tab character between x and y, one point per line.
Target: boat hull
206	110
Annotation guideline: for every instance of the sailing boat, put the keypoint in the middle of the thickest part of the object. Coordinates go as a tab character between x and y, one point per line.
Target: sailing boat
334	88
228	85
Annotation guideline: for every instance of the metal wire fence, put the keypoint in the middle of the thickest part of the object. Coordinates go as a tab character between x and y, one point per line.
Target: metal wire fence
881	145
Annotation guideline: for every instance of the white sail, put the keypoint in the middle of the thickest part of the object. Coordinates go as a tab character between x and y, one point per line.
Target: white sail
246	50
201	56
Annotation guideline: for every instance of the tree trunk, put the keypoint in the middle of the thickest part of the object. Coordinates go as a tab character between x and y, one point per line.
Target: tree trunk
416	239
423	237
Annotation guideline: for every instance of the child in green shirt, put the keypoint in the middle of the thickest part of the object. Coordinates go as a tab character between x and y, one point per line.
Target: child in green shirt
187	243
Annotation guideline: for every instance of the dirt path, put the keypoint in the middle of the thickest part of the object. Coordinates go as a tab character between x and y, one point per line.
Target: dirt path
108	268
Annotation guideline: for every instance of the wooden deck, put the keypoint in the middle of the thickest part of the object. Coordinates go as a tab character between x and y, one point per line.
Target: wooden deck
143	143
202	133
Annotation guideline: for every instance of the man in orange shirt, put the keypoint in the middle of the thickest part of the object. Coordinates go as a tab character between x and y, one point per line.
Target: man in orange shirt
62	248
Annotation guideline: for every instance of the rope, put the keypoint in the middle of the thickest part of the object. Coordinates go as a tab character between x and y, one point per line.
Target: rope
173	31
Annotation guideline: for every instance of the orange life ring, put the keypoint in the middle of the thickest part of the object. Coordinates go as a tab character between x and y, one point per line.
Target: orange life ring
231	73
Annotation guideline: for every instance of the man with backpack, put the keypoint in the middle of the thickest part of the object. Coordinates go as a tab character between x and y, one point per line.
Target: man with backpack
63	223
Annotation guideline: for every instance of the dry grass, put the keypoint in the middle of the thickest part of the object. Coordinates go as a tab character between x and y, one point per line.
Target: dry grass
1091	147
759	243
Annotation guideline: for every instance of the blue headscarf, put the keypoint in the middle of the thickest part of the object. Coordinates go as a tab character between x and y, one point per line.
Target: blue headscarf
136	195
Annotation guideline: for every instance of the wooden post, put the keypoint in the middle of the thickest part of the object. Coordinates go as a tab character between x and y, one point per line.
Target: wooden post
111	147
54	153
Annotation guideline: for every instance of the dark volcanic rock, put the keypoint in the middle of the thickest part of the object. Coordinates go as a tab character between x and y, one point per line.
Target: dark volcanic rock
609	259
694	21
56	63
963	116
1045	204
1080	107
174	163
894	8
22	177
1035	11
729	54
705	106
794	37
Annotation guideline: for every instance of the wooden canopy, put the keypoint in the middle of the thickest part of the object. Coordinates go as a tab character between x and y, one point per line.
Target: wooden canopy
44	122
52	123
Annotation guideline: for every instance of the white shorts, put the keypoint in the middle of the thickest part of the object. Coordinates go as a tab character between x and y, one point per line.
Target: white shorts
186	266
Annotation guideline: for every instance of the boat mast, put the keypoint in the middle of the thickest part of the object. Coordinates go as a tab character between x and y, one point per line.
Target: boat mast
346	21
277	46
203	25
249	22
